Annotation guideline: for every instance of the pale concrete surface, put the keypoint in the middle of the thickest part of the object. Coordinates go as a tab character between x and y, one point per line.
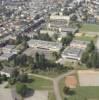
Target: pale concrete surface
88	78
5	93
38	95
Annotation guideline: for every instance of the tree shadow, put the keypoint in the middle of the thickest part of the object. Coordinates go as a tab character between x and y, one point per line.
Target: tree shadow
71	92
30	80
29	93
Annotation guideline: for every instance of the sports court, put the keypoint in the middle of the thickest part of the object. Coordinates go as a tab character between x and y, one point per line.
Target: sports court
71	81
88	78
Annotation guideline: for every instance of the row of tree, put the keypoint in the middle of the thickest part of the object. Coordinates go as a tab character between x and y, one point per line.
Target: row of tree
66	40
44	37
91	56
19	80
3	78
39	62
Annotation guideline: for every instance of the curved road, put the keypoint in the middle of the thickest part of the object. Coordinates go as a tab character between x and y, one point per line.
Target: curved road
55	82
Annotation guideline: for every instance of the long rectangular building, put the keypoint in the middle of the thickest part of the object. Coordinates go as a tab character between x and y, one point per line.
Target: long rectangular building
72	53
53	46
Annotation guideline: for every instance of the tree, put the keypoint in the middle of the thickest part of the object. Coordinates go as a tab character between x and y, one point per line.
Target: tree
78	24
19	39
37	17
65	98
88	62
95	59
66	90
66	40
12	81
74	18
23	59
66	11
14	73
1	66
23	78
91	47
55	36
25	44
0	79
37	57
91	56
84	57
45	37
21	89
4	78
56	55
30	61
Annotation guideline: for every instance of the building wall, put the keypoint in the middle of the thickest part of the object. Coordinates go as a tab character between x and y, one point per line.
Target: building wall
3	73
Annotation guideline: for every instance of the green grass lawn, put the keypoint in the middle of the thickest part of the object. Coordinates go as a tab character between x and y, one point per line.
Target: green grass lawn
81	93
51	96
85	38
42	84
61	86
52	74
89	28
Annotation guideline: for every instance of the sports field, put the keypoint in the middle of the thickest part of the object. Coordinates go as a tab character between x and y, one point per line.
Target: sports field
87	88
88	78
42	85
89	28
85	93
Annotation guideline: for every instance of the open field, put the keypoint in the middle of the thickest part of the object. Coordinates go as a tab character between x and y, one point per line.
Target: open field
51	74
85	38
87	92
90	28
42	84
83	93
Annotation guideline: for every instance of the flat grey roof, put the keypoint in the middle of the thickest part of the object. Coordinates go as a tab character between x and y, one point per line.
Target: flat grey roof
32	51
71	51
7	70
9	46
80	42
42	43
6	55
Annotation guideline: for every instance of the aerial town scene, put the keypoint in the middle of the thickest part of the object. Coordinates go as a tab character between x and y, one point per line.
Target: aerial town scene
49	49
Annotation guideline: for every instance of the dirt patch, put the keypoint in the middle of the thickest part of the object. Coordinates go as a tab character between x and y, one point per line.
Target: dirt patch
71	81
